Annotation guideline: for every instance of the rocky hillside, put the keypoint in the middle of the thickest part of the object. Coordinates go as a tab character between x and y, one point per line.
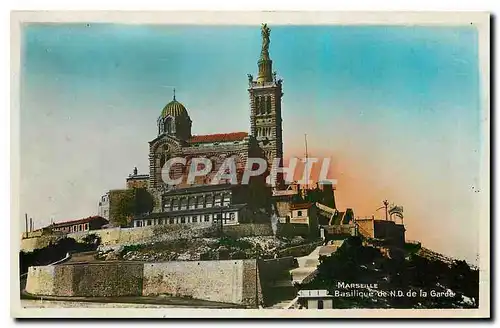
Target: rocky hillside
362	276
196	249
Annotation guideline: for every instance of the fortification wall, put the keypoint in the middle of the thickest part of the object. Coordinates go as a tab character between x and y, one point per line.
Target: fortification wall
30	244
41	280
293	229
220	281
152	234
92	280
131	236
248	229
231	281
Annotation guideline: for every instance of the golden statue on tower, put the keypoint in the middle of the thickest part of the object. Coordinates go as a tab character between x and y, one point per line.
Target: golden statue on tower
266	33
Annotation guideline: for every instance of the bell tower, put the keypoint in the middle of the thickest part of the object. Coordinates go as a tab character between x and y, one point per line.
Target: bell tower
265	104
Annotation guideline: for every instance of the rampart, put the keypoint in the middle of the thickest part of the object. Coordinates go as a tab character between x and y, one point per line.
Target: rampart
231	281
152	234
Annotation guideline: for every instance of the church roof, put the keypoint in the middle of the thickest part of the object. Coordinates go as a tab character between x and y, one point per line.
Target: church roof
219	137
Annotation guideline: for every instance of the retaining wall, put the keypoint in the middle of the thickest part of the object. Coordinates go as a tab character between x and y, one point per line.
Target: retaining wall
151	234
232	281
248	229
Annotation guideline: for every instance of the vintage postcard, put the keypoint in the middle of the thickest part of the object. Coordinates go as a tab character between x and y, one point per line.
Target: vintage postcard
250	164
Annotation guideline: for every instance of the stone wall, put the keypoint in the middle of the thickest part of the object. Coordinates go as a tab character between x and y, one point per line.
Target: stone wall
30	244
41	280
91	280
149	234
231	281
221	281
248	229
293	229
300	250
365	227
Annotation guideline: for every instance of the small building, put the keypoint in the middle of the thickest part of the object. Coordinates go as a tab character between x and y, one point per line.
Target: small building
103	208
388	230
136	180
304	213
315	299
87	224
230	215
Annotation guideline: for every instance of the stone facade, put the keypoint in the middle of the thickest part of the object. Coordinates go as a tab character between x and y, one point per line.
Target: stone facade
203	204
174	138
103	208
265	104
140	181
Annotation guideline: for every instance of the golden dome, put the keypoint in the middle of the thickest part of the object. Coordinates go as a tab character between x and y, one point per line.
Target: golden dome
174	109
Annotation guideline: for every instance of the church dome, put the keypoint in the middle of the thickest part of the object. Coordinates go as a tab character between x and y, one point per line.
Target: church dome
174	109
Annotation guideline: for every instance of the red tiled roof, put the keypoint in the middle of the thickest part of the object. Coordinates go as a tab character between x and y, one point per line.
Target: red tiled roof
219	137
79	221
300	206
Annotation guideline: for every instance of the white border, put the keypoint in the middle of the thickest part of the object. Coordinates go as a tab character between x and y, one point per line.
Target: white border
479	19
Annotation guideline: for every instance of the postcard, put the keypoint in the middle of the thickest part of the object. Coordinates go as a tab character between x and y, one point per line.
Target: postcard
250	164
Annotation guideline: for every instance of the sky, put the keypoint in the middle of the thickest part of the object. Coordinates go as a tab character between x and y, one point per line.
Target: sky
397	109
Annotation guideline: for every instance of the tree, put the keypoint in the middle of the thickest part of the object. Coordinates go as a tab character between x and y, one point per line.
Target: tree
122	207
126	204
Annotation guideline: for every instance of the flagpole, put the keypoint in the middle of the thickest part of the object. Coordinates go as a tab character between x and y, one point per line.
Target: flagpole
307	177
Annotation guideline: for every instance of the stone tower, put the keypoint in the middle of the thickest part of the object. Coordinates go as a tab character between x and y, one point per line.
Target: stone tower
265	104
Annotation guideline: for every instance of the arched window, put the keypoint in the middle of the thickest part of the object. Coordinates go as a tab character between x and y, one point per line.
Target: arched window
160	127
162	161
257	105
268	104
169	126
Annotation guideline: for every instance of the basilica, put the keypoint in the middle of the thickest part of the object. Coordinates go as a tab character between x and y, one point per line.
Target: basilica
201	200
175	138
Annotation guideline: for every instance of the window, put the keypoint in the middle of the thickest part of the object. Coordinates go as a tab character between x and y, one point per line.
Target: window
183	219
168	125
227	199
194	219
149	222
207	218
160	221
299	213
171	221
192	202
175	204
209	201
86	226
200	202
232	216
320	304
218	200
184	203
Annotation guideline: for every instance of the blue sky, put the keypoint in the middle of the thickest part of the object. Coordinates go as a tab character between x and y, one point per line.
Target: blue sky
396	108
